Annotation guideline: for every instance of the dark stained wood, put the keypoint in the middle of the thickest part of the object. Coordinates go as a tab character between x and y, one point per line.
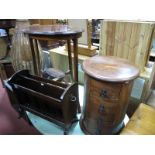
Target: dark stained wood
70	57
34	60
6	70
106	94
56	103
64	85
110	68
57	34
37	56
75	47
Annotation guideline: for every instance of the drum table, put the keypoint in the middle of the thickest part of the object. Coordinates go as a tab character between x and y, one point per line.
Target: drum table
108	84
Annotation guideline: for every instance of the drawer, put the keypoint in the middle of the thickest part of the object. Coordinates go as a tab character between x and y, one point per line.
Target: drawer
105	91
96	101
105	110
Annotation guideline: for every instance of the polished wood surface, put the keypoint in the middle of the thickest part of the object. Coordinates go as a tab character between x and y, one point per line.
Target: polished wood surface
58	31
109	68
107	92
142	122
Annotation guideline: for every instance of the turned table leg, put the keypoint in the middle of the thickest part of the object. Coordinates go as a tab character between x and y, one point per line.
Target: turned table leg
33	56
38	57
70	58
75	48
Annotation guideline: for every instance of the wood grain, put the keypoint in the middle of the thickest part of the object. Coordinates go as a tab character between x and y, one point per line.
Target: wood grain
125	39
109	68
108	83
142	122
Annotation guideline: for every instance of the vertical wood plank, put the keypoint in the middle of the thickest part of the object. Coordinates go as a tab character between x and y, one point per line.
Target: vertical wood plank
134	42
103	36
120	39
116	38
110	38
150	41
141	48
127	36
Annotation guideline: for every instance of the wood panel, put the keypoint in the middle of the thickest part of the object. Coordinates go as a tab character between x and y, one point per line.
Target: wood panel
126	39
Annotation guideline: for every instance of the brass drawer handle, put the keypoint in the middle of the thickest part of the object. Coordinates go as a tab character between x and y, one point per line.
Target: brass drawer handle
104	93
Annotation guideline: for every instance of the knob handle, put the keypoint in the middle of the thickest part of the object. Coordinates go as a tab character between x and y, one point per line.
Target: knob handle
104	93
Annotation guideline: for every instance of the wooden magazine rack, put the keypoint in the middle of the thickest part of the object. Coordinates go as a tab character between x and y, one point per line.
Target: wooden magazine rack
51	100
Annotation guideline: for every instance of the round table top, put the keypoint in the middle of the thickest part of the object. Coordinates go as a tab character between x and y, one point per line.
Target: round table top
52	30
110	68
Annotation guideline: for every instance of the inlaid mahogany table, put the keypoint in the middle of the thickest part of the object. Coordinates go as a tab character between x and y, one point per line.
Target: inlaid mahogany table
108	83
54	32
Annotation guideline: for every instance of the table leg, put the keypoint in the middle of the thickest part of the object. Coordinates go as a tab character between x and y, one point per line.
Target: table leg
38	57
75	52
33	56
70	58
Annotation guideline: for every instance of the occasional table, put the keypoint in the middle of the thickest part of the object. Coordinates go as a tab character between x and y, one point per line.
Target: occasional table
108	83
54	33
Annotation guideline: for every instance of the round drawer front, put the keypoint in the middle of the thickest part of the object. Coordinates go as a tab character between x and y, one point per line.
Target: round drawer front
106	100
